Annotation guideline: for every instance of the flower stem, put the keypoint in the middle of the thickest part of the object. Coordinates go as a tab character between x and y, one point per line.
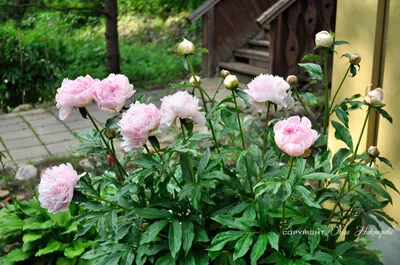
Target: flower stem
107	201
346	180
189	160
326	115
284	202
265	142
302	104
243	143
337	91
202	92
109	149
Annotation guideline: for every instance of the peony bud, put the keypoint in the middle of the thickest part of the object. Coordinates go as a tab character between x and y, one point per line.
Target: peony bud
231	82
192	80
224	73
374	98
291	80
185	48
110	133
373	151
323	39
355	58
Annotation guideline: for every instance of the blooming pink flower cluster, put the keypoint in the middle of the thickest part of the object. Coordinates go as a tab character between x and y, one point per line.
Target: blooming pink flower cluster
142	120
109	93
56	188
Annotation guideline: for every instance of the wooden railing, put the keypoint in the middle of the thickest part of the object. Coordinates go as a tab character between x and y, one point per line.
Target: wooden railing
227	25
293	25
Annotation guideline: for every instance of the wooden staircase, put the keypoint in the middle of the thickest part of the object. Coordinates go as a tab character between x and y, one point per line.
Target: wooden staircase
250	60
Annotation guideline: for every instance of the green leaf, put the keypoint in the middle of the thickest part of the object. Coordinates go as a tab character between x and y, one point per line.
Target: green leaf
319	176
130	257
242	246
83	112
340	42
307	196
385	114
221	239
152	213
313	70
51	247
353	71
188	235
188	260
342	248
312	57
185	167
65	261
201	50
230	222
343	134
32	236
353	228
386	161
216	175
273	240
259	248
309	98
16	255
175	237
153	231
154	142
342	116
167	259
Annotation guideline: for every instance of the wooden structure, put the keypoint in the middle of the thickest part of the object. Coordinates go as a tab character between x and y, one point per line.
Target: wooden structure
249	37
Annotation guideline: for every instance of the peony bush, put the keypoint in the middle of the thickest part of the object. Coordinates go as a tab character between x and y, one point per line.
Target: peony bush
246	192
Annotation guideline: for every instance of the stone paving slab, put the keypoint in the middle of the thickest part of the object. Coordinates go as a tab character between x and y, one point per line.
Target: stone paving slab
34	134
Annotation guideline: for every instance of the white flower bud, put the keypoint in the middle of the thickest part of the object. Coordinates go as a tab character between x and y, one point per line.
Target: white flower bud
291	80
192	80
323	39
185	48
355	58
231	82
373	151
374	98
224	73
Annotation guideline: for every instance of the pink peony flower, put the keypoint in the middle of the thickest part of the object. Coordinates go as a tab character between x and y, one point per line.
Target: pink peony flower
180	105
137	124
56	188
294	135
270	88
74	93
111	93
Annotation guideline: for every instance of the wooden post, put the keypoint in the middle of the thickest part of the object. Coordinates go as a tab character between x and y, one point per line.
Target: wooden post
209	60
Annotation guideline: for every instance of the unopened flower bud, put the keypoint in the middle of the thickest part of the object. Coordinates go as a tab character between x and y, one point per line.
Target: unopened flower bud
185	48
110	133
374	98
373	151
192	80
231	82
323	39
291	80
355	58
224	73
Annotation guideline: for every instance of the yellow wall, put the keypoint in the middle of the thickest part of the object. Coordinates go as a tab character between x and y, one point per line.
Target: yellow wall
372	28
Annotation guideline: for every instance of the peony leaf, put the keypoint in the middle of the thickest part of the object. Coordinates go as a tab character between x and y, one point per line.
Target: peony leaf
343	134
313	70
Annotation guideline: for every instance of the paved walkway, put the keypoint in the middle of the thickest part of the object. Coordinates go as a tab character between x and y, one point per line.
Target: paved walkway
33	135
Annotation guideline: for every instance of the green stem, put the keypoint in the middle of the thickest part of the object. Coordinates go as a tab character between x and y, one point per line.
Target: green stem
109	149
337	91
216	92
302	104
284	202
189	160
107	201
243	142
115	158
326	115
341	192
202	92
265	143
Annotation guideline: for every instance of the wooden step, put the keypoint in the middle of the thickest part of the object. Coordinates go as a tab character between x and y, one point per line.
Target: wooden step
261	43
252	54
246	71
